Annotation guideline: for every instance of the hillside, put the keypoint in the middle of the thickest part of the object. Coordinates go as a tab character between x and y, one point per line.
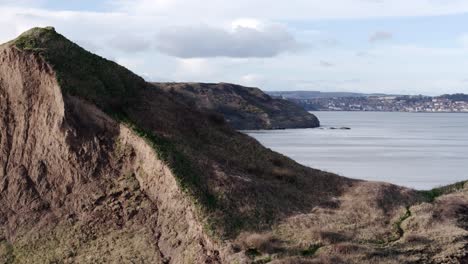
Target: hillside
317	94
243	107
98	166
456	97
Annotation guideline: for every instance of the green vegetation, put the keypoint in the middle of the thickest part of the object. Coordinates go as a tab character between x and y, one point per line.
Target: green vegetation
311	250
263	260
431	195
398	231
197	152
252	252
397	225
81	73
6	252
243	108
114	89
186	173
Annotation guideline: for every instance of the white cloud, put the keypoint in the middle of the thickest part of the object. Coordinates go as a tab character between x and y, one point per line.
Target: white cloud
130	43
326	64
21	2
240	38
413	51
133	64
380	36
240	42
364	54
247	23
292	9
252	80
193	68
387	68
463	39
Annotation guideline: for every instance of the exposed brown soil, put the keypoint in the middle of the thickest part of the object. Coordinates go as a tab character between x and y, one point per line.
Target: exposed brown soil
97	191
169	184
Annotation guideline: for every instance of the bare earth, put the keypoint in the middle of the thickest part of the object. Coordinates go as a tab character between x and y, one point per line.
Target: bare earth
169	184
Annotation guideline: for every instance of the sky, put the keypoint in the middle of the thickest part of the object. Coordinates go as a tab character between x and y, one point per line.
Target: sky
370	46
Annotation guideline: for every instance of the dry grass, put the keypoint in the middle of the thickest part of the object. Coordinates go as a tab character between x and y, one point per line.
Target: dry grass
263	243
294	214
364	225
203	152
318	260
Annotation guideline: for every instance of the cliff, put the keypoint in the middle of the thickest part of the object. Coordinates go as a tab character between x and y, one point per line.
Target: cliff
243	107
98	166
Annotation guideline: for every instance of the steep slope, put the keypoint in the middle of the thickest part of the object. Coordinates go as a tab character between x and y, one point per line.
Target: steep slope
97	166
243	107
204	153
63	158
75	184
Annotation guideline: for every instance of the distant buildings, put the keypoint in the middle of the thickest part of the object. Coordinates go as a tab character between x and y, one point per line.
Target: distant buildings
387	103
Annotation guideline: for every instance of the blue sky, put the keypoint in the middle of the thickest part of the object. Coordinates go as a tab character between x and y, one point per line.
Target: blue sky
389	46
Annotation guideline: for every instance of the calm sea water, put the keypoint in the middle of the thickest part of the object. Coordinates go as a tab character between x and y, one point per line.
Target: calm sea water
417	150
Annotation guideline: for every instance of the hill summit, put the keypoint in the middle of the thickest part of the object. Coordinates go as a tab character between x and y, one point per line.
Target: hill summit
98	166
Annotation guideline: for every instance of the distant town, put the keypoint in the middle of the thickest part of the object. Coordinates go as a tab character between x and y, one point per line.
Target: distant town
457	103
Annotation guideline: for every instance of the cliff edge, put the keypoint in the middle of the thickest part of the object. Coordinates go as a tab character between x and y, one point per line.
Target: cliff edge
98	166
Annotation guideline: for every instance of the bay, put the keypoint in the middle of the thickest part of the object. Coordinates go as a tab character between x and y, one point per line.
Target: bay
417	150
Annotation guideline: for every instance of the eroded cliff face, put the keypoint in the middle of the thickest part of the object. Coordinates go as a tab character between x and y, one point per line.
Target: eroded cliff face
159	182
80	186
77	186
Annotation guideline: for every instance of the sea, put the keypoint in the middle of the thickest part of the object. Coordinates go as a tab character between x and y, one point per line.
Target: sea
416	150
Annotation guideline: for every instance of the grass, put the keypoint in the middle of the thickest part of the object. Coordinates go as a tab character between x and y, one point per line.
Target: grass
187	175
82	243
399	230
81	73
275	184
263	260
194	149
433	194
6	252
114	89
311	250
252	252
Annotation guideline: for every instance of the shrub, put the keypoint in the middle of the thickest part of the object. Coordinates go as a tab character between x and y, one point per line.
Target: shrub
431	195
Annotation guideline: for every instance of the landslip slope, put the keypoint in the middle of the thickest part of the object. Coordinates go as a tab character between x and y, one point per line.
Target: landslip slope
98	166
243	107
